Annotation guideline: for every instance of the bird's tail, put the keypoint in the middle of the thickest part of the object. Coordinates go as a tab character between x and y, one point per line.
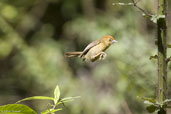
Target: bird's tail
72	54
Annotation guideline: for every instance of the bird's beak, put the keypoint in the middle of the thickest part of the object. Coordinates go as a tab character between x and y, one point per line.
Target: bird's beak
114	41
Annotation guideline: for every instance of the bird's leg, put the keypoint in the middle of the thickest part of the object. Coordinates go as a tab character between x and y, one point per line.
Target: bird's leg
100	56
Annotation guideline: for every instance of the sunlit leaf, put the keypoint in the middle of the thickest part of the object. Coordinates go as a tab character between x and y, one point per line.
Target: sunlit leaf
123	4
16	109
161	16
167	101
56	94
68	99
36	97
154	18
49	111
147	99
148	103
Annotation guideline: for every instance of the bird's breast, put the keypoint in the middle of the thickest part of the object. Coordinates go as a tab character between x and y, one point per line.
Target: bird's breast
94	51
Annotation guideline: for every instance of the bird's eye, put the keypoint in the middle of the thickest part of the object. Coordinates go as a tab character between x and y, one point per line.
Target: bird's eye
110	39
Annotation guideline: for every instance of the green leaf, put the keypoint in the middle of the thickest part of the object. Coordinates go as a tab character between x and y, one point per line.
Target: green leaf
154	18
68	99
16	109
151	108
166	101
51	111
147	99
36	97
161	16
153	57
148	103
56	94
123	4
161	111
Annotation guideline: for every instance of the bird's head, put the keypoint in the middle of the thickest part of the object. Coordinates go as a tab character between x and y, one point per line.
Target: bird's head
108	40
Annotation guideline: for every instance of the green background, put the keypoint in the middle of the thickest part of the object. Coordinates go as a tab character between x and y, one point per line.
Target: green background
34	34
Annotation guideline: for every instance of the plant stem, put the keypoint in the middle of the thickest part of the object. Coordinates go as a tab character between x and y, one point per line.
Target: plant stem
162	53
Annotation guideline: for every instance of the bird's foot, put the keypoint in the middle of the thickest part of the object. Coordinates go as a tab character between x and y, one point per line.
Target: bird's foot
102	56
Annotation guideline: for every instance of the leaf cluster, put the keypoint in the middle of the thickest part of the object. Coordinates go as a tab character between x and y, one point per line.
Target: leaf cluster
154	106
23	109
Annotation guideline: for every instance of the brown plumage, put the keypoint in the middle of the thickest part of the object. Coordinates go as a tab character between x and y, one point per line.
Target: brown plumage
95	50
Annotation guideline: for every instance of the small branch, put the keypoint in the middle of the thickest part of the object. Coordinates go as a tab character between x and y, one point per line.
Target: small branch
153	57
168	59
145	12
134	3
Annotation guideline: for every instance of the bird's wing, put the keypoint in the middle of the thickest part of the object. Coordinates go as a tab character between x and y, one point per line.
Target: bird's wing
92	44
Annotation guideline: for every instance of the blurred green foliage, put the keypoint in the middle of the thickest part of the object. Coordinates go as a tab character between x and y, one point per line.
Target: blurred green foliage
34	35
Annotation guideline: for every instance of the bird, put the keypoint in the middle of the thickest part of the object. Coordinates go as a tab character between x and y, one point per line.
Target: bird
95	50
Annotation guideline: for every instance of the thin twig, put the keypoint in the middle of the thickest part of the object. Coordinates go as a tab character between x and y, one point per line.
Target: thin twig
153	57
145	12
168	60
134	3
123	4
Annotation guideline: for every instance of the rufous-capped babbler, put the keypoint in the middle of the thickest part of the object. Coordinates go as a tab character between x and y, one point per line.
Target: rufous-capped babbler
95	50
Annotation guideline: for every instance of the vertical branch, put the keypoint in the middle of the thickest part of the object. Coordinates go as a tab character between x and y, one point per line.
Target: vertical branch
162	53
